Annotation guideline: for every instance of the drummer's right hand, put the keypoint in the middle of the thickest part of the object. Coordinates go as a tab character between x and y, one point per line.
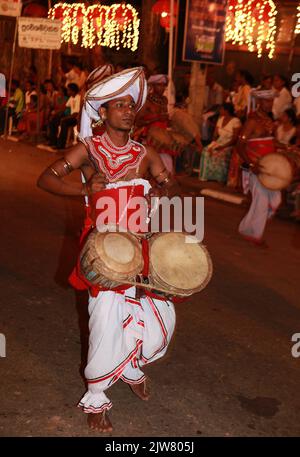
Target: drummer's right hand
96	183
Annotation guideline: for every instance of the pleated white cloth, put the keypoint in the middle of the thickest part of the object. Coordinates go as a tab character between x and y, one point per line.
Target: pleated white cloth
125	334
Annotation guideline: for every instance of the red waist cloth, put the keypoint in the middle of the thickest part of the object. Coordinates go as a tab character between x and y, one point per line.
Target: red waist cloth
259	147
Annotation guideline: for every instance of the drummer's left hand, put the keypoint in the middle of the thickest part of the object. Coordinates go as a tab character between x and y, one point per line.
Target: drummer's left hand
153	192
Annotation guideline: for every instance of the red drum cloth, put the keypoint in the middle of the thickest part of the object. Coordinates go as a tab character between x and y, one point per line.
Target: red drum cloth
259	147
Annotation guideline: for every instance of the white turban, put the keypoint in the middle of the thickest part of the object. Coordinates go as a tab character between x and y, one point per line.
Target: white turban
128	82
98	75
256	94
158	79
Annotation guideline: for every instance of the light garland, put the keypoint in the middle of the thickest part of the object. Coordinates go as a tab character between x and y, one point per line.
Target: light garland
252	22
297	28
116	25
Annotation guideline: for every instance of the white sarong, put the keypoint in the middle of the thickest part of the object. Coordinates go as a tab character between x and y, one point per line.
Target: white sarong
125	334
263	206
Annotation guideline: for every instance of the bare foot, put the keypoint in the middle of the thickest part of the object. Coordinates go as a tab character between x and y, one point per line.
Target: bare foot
141	390
99	422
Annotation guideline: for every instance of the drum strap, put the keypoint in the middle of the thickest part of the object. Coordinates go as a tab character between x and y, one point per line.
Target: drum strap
145	253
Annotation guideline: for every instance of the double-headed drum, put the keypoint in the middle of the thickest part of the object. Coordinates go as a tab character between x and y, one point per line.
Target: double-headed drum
178	264
111	258
277	171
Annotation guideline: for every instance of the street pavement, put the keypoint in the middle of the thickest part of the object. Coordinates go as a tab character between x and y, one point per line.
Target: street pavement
229	370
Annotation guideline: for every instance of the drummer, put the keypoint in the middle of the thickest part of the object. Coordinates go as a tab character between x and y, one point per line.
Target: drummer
255	141
126	331
155	114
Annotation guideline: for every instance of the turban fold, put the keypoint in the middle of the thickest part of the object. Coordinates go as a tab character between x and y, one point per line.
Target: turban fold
258	94
128	82
98	75
158	79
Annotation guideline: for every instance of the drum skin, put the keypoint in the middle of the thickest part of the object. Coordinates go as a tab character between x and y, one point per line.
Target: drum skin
111	258
180	266
276	171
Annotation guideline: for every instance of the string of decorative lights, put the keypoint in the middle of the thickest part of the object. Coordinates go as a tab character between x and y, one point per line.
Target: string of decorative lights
252	22
116	25
297	28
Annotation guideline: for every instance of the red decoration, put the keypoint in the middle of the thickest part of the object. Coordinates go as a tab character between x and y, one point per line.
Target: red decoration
163	7
59	13
79	17
35	10
123	15
266	9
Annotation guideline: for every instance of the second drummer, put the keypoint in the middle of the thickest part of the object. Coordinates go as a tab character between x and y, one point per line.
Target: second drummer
126	331
255	141
155	114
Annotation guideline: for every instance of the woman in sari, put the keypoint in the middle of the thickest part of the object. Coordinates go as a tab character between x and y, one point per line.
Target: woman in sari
215	158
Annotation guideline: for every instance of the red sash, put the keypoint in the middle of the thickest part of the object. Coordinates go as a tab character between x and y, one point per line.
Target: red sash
259	147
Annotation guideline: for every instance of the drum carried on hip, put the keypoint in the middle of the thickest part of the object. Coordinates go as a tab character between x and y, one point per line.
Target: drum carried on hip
178	266
277	171
111	258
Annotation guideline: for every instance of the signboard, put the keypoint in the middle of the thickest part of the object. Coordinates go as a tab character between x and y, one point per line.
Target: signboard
204	33
39	33
10	7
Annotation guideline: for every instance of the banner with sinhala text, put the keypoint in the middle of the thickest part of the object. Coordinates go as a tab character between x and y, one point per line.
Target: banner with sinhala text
39	33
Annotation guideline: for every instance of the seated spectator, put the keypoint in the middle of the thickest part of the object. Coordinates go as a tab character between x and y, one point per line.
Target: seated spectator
283	100
215	157
65	122
29	90
286	129
28	124
213	98
15	105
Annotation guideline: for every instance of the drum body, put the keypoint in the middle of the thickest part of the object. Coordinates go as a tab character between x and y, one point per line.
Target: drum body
278	170
159	137
178	264
111	258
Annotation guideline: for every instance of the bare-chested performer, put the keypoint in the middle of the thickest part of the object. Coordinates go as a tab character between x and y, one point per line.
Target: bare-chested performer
126	330
256	140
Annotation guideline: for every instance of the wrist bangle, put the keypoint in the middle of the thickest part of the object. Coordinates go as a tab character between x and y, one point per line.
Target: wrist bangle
55	172
165	181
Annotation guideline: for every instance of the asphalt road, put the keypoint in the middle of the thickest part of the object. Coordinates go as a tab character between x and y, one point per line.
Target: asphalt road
229	370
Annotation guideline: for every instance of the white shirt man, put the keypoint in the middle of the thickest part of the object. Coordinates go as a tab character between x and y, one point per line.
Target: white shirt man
282	102
213	96
74	103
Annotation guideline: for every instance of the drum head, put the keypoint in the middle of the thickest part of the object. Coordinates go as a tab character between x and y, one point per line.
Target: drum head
184	266
116	256
276	171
